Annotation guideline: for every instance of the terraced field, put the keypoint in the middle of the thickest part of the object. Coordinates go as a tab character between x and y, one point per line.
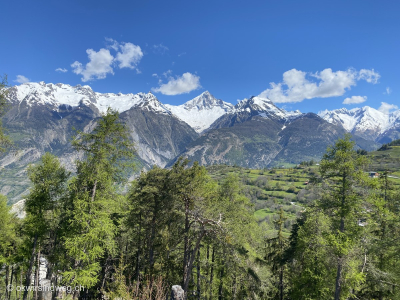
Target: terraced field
289	188
269	190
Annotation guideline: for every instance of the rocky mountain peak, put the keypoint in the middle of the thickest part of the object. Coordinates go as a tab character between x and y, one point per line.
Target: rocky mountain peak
151	103
206	101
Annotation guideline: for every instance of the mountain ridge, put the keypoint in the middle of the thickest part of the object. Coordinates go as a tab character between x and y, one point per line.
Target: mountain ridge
367	122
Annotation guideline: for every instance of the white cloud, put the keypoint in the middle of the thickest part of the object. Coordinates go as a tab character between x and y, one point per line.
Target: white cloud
180	85
112	43
386	107
21	79
102	62
388	91
355	100
160	49
129	56
98	67
62	70
298	85
154	75
369	76
167	73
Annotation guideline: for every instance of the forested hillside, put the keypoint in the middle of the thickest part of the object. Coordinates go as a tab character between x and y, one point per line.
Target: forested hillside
308	232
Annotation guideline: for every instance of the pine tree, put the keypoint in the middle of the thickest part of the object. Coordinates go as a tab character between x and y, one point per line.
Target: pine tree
90	229
42	206
383	244
310	258
8	243
343	170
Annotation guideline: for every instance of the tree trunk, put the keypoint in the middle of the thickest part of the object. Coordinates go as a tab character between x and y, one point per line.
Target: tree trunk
338	280
11	281
137	268
7	275
198	275
190	264
340	259
186	244
281	283
212	272
37	273
220	284
29	272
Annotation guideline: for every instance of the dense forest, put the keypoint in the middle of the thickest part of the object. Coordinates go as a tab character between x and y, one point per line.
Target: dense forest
181	226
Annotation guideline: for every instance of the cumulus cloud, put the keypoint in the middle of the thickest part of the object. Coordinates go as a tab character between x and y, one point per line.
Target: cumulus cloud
103	62
355	100
386	107
98	67
129	56
180	85
61	70
369	76
21	79
298	85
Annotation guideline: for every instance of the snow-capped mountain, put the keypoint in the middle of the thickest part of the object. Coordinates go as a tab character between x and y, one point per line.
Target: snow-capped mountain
255	107
202	111
366	121
56	95
265	108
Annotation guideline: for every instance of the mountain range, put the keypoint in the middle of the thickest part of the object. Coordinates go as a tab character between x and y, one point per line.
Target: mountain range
366	122
253	133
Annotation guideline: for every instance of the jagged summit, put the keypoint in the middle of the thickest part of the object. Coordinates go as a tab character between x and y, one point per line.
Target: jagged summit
365	121
265	108
201	111
58	94
206	101
260	105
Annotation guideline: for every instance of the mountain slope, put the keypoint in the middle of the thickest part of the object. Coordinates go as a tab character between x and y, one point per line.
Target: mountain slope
201	111
42	118
366	122
247	109
258	134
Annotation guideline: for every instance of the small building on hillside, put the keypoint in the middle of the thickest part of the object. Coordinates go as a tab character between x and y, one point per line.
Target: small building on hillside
373	174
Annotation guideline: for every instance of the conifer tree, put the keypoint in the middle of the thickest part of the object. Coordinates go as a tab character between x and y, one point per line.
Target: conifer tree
8	243
42	206
93	199
343	171
381	259
276	247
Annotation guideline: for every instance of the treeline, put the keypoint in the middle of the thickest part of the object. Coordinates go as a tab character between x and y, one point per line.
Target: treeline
173	226
387	146
178	226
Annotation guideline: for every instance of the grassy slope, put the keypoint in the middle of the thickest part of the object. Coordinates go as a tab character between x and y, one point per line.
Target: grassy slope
386	160
271	189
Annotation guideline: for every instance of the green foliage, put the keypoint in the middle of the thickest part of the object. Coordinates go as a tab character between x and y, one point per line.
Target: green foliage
222	234
7	232
43	202
93	199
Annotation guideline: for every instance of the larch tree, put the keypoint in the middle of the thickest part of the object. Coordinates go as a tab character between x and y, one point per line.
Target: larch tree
89	227
42	207
343	171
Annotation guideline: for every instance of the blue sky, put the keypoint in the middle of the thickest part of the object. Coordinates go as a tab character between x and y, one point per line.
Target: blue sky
316	54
